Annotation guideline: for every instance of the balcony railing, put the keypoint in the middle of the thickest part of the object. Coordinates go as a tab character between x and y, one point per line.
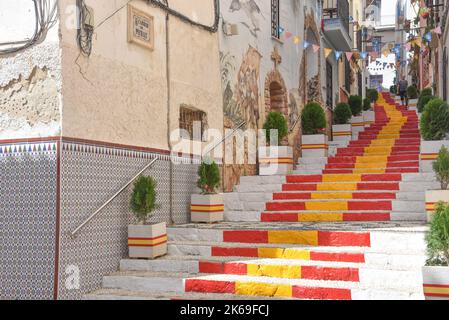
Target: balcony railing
333	9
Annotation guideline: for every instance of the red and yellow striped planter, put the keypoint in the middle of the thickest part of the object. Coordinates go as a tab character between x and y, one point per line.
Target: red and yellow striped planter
314	146
275	160
208	208
342	132
433	197
436	283
147	241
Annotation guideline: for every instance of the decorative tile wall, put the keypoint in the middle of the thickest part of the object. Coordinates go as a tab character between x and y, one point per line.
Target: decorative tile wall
28	182
90	176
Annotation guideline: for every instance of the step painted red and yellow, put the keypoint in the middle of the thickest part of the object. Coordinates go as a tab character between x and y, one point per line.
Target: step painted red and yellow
324	217
436	290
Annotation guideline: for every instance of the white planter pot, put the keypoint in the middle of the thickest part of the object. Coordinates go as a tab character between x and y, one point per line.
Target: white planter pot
429	153
275	160
369	117
436	283
314	146
357	126
341	132
207	208
413	104
432	199
147	241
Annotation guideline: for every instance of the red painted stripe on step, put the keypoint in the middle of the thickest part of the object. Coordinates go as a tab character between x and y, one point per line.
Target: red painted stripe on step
236	268
291	196
321	293
245	236
234	252
304	178
404	164
299	187
341	257
330	274
369	205
279	217
287	206
366	217
211	267
209	286
343	239
377	186
373	195
381	177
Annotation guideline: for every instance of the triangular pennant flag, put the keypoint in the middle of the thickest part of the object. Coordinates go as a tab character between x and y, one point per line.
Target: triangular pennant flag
337	54
288	35
296	40
349	55
305	44
315	48
428	36
281	30
437	30
408	46
364	55
327	52
418	42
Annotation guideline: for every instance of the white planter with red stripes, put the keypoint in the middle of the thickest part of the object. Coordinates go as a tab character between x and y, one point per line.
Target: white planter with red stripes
147	241
413	104
436	283
432	199
341	132
429	153
314	146
208	208
368	117
275	160
357	126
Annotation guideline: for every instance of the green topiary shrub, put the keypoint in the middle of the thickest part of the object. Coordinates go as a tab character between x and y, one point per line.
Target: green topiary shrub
423	101
143	198
366	104
355	102
209	177
276	121
441	167
393	89
435	120
372	94
412	92
426	92
313	119
342	113
437	238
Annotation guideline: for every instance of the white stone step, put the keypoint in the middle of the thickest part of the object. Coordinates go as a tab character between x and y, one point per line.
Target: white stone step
242	216
408	206
418	186
259	188
408	216
256	180
413	196
418	177
307	172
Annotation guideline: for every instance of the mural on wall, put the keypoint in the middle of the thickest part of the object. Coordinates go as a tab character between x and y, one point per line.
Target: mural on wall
252	11
240	104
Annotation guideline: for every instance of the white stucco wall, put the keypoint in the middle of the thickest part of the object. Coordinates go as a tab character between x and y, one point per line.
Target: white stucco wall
30	81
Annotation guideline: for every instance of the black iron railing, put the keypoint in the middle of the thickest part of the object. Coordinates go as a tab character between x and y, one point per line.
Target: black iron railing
333	9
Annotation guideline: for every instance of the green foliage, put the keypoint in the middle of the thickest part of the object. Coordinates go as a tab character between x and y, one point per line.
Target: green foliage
143	198
342	113
209	177
372	94
276	121
355	102
426	92
441	168
423	101
393	89
435	120
366	104
313	119
438	237
412	92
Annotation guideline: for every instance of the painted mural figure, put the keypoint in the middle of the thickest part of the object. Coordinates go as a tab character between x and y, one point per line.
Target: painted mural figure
251	10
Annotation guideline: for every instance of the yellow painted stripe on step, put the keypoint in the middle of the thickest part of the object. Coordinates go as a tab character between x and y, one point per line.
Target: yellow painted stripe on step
370	159
372	165
336	186
278	253
293	237
263	289
327	206
436	290
332	195
370	171
320	217
274	271
379	149
342	177
383	143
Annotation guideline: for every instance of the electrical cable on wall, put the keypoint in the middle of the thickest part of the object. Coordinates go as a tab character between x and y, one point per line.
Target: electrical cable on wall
46	16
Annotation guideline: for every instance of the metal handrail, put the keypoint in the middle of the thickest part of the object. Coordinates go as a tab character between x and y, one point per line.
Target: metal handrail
93	215
224	139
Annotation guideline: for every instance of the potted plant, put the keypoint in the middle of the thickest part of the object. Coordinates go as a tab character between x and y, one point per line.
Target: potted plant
441	169
424	97
145	240
357	122
436	270
412	95
373	95
369	116
209	205
341	130
314	141
275	159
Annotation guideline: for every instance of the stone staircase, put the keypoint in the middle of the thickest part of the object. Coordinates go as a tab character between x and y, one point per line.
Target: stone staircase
347	227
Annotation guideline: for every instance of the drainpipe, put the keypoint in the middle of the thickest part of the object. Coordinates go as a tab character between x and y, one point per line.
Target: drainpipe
167	64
